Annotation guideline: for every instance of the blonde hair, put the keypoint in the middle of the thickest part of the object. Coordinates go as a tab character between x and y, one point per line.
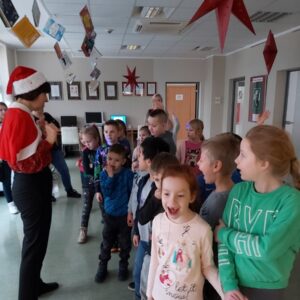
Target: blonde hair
225	148
197	124
91	131
274	145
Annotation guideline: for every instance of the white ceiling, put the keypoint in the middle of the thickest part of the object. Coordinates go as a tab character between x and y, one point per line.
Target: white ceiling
122	17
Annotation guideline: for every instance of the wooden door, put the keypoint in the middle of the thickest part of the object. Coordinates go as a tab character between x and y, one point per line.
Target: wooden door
181	101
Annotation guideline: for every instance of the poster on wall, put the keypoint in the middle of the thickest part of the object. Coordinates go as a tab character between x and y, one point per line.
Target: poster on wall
257	97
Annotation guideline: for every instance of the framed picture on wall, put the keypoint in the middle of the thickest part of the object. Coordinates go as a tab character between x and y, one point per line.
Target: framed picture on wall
257	97
92	92
126	89
55	90
139	89
74	90
111	90
151	88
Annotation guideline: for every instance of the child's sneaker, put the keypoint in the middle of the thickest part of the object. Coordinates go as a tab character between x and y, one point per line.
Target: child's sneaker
101	272
131	286
82	238
12	208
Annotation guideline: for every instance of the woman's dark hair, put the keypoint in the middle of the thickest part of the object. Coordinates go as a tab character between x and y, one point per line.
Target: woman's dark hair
31	96
3	104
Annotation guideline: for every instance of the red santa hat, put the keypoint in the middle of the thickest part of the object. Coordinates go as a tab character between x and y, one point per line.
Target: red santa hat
23	80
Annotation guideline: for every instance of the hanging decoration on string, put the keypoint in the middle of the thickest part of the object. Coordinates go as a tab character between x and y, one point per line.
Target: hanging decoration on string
223	10
131	79
270	51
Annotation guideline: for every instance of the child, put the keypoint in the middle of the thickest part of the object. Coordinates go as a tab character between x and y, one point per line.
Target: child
111	135
150	147
123	135
116	184
157	123
143	133
189	150
153	206
217	165
259	238
90	137
181	253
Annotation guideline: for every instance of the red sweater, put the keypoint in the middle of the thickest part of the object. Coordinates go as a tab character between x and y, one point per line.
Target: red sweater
21	143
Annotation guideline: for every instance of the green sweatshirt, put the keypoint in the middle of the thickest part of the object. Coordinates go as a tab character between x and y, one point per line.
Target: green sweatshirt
258	247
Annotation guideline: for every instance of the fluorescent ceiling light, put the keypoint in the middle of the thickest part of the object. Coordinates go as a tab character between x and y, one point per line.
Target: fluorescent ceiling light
130	47
151	12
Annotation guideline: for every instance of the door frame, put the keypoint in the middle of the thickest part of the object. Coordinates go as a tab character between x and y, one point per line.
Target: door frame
286	94
233	100
197	93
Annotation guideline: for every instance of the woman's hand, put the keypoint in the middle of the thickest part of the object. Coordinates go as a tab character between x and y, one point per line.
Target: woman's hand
51	133
217	229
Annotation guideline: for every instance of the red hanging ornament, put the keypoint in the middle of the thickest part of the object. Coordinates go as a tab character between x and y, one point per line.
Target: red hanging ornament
131	78
270	51
223	10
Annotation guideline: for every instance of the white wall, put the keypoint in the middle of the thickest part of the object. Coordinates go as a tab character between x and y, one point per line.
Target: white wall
214	75
250	62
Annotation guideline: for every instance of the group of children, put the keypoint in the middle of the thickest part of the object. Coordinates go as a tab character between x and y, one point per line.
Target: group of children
152	200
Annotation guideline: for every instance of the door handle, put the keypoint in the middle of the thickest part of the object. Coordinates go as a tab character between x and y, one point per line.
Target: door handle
288	122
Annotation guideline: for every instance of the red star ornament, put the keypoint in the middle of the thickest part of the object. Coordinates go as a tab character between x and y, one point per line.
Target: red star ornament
131	78
223	10
270	51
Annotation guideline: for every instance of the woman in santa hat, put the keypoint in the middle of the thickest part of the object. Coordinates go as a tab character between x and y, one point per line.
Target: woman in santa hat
29	155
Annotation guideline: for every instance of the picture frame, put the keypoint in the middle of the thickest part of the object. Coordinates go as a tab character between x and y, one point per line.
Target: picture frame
56	92
126	89
140	89
92	94
111	90
74	90
257	97
151	88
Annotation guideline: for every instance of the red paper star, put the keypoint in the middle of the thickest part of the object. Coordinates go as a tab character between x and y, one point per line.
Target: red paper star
270	51
131	78
223	10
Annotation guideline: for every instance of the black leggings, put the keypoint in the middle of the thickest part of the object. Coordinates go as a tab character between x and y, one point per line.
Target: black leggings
32	196
263	294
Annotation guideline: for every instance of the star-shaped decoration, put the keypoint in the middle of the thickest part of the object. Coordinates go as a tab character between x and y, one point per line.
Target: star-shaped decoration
131	78
223	10
270	51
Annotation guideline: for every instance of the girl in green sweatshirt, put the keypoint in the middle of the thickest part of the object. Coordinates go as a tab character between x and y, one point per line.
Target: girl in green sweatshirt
259	235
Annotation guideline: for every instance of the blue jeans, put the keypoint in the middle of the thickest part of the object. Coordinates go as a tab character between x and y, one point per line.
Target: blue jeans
60	165
142	248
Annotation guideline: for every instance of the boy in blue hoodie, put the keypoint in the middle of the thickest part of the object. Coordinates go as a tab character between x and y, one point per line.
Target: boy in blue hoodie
116	183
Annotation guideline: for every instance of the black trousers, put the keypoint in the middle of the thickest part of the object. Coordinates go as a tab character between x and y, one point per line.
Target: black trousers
32	196
115	228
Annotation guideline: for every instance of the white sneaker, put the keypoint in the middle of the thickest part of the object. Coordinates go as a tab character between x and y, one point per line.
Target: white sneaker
12	208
